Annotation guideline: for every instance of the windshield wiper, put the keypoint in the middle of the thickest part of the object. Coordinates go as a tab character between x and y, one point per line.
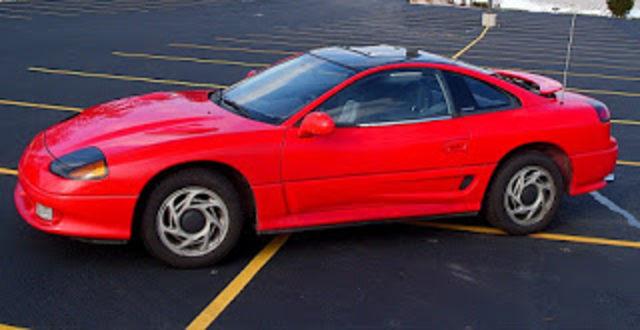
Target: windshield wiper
218	98
236	107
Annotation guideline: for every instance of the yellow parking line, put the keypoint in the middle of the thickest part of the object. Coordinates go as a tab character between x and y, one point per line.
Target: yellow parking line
555	48
209	314
233	49
628	163
592	43
66	9
233	289
3	15
604	92
544	236
271	42
353	39
353	36
120	6
9	327
190	59
457	227
291	52
558	61
471	44
8	171
586	240
76	109
581	74
625	122
38	105
124	77
35	12
261	37
489	51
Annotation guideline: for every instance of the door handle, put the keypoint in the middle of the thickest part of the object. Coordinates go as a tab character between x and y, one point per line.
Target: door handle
456	146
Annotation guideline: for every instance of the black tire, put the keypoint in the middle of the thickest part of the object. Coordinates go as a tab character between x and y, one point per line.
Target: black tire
193	177
494	208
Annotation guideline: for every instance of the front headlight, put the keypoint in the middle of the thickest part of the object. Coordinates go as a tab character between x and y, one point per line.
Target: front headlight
84	164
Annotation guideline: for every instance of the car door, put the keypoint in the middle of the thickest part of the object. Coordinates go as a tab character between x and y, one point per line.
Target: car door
397	150
489	113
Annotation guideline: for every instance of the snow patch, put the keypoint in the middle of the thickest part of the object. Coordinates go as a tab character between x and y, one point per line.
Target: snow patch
585	7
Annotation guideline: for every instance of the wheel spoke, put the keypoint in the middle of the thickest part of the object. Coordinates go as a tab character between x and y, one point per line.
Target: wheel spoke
532	178
185	203
206	238
213	219
515	199
519	186
173	216
545	186
521	209
208	204
176	232
188	241
533	209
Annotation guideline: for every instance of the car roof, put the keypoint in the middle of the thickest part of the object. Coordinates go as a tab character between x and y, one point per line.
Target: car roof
365	57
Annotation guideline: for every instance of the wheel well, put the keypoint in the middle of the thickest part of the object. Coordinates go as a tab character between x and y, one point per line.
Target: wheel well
236	178
552	151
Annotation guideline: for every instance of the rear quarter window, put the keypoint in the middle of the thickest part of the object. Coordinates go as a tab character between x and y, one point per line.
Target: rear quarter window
471	95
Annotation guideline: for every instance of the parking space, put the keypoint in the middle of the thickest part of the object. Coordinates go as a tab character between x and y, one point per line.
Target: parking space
403	277
53	282
62	56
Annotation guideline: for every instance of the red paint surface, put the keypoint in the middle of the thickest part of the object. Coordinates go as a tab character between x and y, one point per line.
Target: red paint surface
349	175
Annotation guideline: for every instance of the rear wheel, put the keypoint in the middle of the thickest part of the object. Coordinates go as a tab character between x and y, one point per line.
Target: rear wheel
525	194
192	218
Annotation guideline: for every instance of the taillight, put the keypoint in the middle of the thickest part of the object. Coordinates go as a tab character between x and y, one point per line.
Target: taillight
603	112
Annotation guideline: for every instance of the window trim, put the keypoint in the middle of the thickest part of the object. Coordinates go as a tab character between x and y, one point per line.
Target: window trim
448	97
399	122
516	104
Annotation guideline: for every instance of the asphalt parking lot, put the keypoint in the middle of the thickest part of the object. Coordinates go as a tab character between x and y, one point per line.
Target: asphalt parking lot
58	57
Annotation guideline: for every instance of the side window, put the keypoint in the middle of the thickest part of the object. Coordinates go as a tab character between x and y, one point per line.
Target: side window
472	95
390	96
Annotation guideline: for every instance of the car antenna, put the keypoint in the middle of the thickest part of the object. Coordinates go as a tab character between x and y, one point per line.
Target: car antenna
567	62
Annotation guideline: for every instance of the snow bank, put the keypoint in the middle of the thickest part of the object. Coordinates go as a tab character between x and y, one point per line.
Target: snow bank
586	7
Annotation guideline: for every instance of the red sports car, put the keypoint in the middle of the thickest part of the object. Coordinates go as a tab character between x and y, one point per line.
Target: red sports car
333	136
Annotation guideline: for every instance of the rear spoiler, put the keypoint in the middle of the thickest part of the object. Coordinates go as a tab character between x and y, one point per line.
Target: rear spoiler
539	84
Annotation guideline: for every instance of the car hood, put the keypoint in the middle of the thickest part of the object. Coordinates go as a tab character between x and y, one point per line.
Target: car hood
144	120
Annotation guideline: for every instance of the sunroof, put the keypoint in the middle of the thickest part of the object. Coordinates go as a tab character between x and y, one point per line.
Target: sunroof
380	51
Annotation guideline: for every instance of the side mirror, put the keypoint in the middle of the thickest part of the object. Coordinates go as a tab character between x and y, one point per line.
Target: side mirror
316	123
251	73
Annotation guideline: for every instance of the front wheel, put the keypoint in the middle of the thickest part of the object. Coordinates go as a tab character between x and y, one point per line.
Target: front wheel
192	219
525	194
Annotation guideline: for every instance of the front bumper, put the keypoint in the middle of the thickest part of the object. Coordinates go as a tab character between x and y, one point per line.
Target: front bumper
97	217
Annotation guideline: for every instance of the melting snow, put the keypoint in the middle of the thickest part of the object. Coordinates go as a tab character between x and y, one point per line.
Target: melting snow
587	7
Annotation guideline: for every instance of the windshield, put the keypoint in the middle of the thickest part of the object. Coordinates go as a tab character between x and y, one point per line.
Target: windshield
279	92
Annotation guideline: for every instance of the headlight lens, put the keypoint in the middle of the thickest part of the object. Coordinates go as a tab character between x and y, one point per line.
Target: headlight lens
84	164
